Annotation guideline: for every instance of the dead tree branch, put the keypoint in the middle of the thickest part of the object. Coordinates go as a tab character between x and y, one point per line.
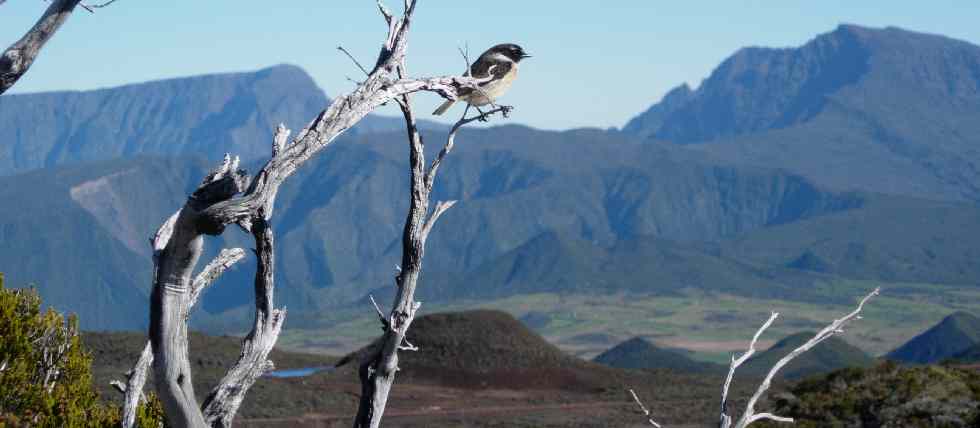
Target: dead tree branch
229	196
136	377
646	412
750	416
377	371
223	401
19	57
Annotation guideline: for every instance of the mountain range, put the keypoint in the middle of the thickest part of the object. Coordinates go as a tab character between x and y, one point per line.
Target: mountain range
881	110
851	157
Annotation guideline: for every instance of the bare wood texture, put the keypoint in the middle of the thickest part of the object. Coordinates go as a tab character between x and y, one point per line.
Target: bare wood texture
223	401
19	57
136	378
229	196
377	371
749	415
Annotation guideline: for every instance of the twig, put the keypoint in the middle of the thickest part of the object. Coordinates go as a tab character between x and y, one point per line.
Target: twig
358	64
91	7
381	315
430	176
750	416
644	409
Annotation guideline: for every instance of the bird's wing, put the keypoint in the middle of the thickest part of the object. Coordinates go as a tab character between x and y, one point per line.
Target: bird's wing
483	69
497	69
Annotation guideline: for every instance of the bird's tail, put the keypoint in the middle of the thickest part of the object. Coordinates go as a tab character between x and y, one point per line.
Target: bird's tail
445	106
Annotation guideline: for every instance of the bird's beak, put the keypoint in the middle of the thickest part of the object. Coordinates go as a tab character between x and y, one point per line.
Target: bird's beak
525	56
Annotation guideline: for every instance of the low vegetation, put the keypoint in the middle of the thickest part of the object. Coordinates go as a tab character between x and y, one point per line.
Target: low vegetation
886	395
45	374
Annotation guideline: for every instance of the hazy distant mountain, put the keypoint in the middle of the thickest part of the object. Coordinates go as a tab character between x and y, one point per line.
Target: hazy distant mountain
638	353
829	355
576	211
885	110
953	335
203	116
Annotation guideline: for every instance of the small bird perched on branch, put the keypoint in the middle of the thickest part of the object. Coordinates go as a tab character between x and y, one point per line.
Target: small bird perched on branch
500	64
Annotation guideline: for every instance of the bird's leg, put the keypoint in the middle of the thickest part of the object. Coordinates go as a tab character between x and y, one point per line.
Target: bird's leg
482	116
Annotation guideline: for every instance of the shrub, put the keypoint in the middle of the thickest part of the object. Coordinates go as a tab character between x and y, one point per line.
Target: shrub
45	374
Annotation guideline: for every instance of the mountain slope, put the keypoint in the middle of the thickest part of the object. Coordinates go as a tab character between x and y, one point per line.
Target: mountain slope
953	335
202	116
889	238
829	355
197	116
882	110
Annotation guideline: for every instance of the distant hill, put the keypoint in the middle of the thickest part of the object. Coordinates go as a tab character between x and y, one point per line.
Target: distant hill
954	334
886	395
969	355
488	349
639	353
829	355
881	110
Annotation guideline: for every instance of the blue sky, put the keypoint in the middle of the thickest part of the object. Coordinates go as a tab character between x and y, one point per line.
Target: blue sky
596	63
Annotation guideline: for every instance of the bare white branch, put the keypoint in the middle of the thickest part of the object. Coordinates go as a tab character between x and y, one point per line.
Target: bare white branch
212	271
646	412
750	416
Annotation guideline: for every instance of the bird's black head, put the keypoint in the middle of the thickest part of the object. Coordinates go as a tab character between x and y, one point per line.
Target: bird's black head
509	50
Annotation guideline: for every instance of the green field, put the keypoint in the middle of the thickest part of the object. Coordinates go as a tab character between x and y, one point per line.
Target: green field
710	325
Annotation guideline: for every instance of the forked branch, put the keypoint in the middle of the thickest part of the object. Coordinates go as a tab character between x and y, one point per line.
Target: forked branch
228	195
378	369
750	415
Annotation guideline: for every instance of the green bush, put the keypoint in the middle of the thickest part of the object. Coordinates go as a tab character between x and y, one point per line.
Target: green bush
887	395
45	374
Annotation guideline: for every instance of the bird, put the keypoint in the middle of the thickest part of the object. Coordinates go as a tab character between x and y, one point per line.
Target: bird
500	64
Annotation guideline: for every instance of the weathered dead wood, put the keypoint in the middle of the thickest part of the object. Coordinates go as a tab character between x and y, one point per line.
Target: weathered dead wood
19	57
377	371
750	416
229	196
223	401
136	377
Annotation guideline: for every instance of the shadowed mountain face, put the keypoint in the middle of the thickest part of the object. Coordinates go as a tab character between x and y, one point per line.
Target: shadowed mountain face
953	335
880	110
638	353
831	354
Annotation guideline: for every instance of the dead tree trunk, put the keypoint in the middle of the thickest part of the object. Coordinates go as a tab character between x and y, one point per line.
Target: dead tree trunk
377	371
228	196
